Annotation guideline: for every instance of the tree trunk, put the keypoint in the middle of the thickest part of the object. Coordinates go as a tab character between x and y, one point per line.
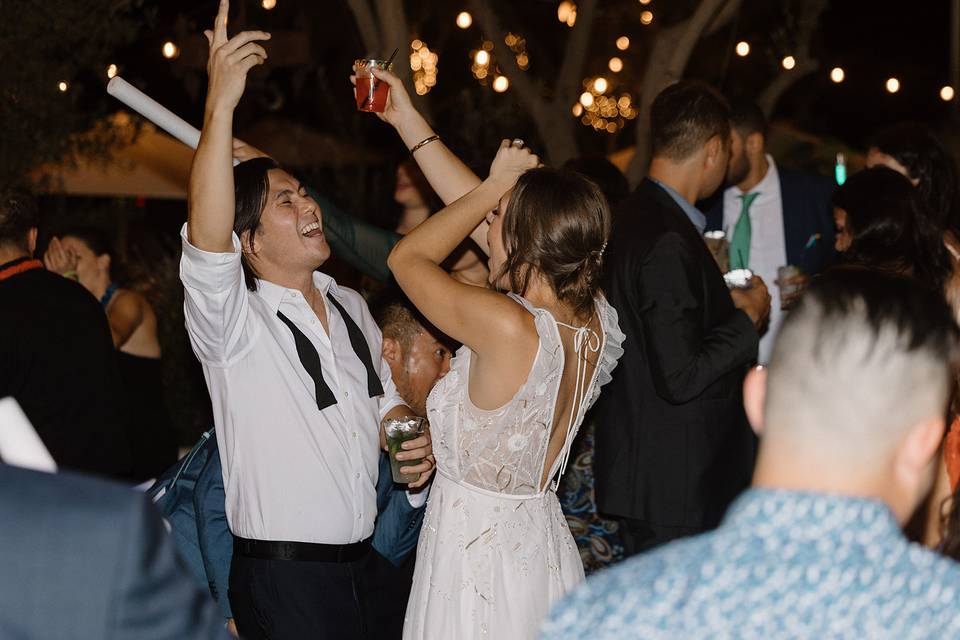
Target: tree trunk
668	58
806	64
550	114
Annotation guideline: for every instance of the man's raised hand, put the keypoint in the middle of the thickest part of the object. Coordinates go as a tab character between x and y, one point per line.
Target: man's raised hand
230	60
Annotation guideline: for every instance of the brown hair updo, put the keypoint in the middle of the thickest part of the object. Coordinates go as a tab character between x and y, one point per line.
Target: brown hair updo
556	223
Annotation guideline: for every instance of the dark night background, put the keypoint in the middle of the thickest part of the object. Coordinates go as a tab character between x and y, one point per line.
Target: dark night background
43	43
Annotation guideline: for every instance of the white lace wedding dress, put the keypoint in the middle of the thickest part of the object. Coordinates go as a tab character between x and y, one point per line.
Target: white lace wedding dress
495	551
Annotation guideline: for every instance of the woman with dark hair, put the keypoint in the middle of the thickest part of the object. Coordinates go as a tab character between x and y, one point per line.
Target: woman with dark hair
882	223
495	551
913	151
86	255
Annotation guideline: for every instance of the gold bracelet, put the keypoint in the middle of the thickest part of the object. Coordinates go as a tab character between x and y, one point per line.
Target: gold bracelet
423	143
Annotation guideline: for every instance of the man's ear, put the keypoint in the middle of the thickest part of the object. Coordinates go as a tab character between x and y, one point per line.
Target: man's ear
32	240
391	351
754	143
715	149
918	448
754	396
246	246
104	262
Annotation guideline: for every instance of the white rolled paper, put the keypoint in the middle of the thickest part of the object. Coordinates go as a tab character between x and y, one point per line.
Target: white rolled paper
155	112
19	443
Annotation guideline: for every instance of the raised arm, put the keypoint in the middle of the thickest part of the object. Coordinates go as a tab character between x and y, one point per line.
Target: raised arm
211	204
477	317
449	177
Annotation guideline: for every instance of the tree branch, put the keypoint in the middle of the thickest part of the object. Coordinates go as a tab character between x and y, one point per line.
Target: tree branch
574	57
527	92
707	16
771	94
369	32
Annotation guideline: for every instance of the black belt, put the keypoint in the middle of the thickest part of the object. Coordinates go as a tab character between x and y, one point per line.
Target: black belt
304	551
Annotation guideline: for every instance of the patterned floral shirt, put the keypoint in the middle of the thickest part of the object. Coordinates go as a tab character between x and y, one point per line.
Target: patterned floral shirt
782	565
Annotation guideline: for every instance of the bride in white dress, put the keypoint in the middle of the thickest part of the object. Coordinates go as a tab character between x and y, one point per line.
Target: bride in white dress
495	551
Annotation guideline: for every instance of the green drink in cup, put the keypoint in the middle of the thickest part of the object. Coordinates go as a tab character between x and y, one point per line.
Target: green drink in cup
398	431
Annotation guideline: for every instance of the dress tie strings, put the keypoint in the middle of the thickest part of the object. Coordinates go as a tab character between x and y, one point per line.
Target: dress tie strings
584	339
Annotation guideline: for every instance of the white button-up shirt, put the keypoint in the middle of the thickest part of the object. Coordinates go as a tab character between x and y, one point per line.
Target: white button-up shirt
768	245
291	471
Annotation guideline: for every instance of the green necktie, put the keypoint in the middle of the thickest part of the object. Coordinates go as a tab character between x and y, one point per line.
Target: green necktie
740	243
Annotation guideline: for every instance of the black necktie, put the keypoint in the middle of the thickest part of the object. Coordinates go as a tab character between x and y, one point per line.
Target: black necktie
310	359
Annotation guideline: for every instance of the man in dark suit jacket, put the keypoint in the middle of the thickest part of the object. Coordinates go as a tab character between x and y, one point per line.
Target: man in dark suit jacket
673	447
790	213
56	355
84	558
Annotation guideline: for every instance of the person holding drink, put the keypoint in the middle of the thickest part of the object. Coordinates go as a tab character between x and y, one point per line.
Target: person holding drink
495	550
778	222
297	394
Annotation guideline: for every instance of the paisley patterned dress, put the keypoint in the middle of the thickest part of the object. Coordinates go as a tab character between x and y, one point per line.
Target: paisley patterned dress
495	551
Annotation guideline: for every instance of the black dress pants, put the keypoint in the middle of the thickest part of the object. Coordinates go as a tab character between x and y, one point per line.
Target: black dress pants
302	600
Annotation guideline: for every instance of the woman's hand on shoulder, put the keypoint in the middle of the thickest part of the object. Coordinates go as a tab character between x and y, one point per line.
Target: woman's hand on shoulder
230	60
58	259
509	164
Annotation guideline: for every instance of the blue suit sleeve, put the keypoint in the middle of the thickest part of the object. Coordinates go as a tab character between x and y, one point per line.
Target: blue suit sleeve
362	245
153	596
216	541
398	523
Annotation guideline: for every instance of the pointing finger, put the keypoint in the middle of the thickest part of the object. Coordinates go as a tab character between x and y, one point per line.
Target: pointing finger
220	23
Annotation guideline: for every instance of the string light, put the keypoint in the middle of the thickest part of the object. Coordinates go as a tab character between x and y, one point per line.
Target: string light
501	84
893	85
789	62
63	86
623	43
268	4
947	93
482	58
567	13
646	17
743	48
464	20
837	75
615	65
577	110
170	50
111	71
518	44
586	99
644	1
600	85
423	63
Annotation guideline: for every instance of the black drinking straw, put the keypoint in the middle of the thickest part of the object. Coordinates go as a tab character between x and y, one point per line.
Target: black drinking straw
390	59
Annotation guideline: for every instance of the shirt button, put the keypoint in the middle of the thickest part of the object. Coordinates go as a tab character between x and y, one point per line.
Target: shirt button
355	435
358	476
346	394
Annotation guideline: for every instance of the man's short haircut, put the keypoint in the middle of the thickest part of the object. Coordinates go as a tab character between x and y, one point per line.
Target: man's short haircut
684	116
747	118
861	359
18	214
396	316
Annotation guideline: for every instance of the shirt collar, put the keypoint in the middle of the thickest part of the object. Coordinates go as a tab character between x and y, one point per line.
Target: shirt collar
811	516
274	294
696	216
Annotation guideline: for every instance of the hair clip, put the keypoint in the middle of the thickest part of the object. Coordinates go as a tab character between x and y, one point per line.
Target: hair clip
603	248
